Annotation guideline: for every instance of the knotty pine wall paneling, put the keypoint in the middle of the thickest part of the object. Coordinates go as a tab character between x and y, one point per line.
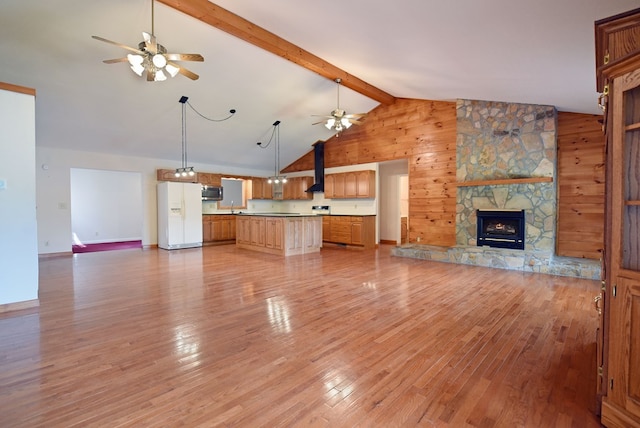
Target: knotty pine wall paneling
581	186
422	131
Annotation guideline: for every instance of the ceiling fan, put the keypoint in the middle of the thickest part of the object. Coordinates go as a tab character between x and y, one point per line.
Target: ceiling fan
338	119
151	57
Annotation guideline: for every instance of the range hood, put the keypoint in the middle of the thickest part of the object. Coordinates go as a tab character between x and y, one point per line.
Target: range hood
318	164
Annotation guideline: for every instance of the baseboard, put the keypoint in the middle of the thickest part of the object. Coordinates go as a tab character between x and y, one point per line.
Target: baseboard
52	255
388	242
18	306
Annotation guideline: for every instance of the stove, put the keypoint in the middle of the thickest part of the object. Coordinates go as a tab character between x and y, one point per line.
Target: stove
321	210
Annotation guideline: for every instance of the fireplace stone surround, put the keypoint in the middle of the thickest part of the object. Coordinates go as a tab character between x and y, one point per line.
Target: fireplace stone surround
506	160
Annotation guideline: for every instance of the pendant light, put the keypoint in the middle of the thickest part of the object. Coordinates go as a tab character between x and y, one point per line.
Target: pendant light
276	178
184	170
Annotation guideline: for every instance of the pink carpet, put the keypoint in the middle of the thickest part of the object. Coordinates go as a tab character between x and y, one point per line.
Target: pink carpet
106	246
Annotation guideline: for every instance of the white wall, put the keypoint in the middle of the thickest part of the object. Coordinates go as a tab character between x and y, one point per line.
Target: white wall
53	190
18	250
106	206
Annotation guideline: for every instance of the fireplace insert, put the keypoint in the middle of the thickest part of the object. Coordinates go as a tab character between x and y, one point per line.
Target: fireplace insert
501	229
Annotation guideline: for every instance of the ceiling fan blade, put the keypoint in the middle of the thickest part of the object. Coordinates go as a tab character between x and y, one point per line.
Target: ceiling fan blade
184	57
187	73
317	123
355	115
138	51
115	61
355	122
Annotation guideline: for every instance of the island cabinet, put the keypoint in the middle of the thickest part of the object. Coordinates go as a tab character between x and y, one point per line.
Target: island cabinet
283	234
619	302
218	228
350	185
356	231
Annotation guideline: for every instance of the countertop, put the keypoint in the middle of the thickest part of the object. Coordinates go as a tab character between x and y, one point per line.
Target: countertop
290	214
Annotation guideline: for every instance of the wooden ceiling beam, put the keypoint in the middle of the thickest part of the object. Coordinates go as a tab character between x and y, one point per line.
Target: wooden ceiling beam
237	26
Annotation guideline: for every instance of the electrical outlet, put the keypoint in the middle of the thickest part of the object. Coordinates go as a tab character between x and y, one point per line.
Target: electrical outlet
418	239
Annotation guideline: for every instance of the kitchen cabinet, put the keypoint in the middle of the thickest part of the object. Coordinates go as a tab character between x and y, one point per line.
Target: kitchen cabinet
258	225
357	231
350	185
218	228
618	340
243	230
209	179
261	188
273	233
296	188
282	234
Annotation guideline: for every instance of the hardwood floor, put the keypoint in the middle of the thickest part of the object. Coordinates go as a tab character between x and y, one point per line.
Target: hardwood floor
225	337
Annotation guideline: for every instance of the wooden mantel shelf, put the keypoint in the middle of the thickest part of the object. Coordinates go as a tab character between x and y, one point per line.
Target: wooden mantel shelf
500	181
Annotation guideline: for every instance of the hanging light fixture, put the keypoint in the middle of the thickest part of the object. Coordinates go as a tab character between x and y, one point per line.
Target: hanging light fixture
185	170
338	119
276	178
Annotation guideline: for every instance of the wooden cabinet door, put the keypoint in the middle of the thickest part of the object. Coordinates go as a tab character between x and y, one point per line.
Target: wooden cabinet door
273	233
294	234
243	230
356	233
206	229
258	231
329	185
351	185
366	184
313	233
232	227
326	228
257	188
338	186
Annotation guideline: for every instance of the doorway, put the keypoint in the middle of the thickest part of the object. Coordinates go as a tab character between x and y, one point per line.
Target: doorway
106	210
394	202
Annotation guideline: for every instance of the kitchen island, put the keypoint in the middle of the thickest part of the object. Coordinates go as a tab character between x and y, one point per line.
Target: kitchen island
279	233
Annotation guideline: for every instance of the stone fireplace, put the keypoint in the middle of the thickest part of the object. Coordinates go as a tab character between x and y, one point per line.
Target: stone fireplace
506	161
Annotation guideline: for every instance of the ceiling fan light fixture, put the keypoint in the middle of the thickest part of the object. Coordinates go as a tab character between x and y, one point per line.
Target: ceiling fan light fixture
135	61
345	122
159	76
172	70
330	123
159	60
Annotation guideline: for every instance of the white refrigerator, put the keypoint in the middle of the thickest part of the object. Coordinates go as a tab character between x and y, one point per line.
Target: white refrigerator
179	215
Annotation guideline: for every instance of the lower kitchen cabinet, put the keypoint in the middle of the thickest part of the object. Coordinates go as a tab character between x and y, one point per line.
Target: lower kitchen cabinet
281	235
218	228
357	231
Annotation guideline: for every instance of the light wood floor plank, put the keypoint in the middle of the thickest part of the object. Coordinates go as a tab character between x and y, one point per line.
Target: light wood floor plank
219	336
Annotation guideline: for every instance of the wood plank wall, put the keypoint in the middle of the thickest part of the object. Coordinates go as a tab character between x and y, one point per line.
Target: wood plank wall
422	131
581	180
425	132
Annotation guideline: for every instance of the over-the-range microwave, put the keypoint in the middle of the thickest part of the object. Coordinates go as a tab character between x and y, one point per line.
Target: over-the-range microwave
211	193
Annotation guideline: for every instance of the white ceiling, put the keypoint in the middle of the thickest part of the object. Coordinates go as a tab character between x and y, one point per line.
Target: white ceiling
501	50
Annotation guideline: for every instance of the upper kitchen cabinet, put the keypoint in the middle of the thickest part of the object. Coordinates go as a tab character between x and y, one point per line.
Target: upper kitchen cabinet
350	185
261	188
296	188
209	179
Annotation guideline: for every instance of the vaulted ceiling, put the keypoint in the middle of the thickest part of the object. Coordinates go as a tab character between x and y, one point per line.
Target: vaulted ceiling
500	50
